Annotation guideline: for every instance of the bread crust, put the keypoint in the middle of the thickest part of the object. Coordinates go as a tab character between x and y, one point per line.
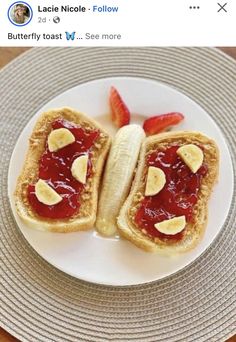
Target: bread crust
193	231
86	215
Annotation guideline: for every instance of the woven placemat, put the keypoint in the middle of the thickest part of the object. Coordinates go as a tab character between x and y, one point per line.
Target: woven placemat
40	303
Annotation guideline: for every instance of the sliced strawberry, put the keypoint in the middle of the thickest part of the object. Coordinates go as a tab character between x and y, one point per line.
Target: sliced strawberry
120	114
159	123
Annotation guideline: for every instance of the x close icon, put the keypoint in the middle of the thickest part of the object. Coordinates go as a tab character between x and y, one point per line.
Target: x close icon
222	7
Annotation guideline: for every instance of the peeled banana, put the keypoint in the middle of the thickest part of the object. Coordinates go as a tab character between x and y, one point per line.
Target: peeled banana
118	177
45	194
192	156
172	226
59	138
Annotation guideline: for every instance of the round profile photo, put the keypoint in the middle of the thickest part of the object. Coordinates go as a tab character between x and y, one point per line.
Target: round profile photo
20	13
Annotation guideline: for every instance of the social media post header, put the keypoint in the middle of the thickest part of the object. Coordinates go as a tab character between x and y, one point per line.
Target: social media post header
118	23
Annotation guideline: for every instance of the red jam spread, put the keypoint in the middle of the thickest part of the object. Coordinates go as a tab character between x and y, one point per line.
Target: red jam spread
178	196
55	169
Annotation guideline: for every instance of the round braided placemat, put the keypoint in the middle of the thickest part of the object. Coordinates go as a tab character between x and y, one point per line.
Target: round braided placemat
40	303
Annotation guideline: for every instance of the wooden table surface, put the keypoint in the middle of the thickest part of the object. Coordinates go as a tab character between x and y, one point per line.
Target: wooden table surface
8	54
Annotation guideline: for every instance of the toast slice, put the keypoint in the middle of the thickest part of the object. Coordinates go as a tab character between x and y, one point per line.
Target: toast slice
84	216
129	226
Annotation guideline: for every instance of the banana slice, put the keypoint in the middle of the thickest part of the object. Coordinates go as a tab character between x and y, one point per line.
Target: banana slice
79	168
60	138
156	180
172	226
192	156
45	194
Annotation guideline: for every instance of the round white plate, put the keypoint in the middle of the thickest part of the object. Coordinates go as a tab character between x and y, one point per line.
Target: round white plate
112	261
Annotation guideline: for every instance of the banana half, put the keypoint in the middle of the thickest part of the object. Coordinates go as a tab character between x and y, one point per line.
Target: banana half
172	226
156	181
192	156
45	194
60	138
79	168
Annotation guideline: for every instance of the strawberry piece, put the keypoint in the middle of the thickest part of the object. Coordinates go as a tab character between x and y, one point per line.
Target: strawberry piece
159	123
120	113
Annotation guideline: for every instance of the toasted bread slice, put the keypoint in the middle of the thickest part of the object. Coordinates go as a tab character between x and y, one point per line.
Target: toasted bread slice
86	215
193	232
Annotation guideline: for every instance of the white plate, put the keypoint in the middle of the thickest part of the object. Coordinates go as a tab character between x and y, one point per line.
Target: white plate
112	261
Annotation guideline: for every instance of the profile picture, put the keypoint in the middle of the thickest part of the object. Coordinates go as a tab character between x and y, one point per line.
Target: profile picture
20	13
